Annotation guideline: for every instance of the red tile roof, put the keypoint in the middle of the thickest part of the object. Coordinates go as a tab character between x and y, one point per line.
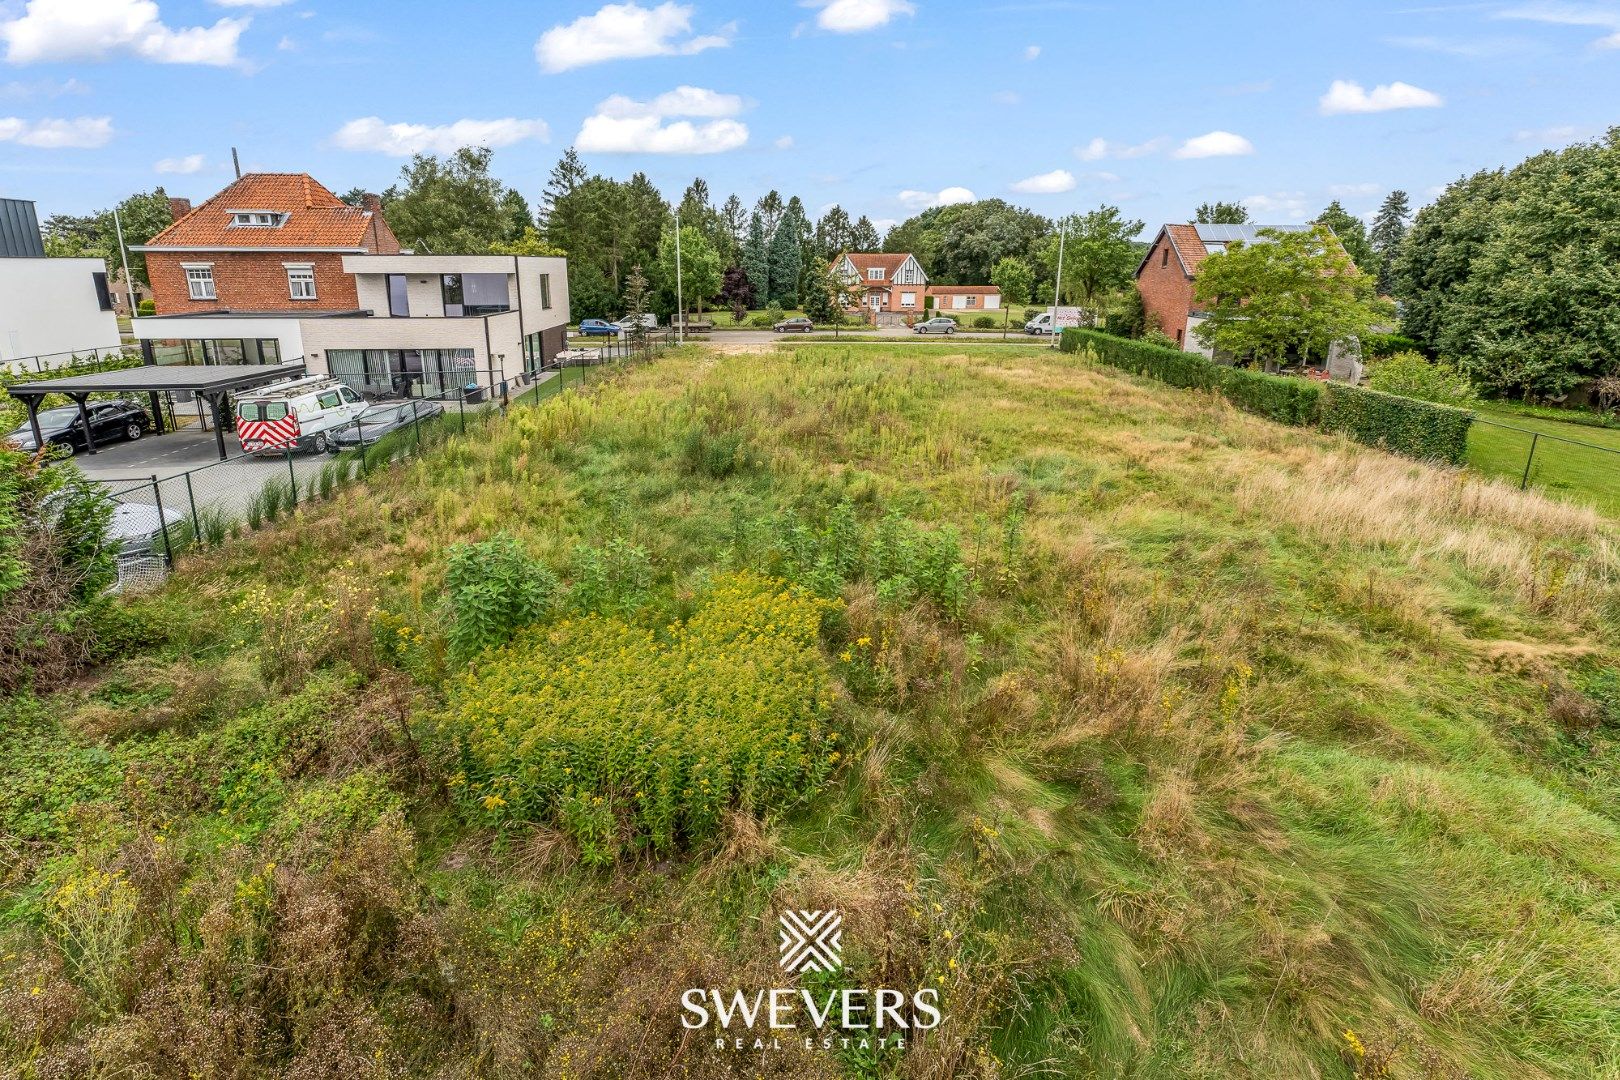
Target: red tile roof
1188	246
315	218
865	260
964	290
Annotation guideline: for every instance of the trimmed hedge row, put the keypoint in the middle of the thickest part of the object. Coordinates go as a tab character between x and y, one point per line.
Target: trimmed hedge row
1419	429
1407	426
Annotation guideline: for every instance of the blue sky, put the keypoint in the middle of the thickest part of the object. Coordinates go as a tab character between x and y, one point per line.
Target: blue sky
882	106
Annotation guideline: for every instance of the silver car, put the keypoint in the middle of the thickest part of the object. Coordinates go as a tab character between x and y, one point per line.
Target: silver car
936	326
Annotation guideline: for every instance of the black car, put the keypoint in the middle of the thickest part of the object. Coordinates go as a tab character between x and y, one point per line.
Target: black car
111	421
377	421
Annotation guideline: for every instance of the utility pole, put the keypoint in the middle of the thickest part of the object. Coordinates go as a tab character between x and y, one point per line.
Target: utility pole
1057	287
680	302
123	253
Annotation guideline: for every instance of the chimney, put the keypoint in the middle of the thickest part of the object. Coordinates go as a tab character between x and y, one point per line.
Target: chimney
179	208
371	202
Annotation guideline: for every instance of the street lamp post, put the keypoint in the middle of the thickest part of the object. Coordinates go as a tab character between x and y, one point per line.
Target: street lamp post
680	301
1057	287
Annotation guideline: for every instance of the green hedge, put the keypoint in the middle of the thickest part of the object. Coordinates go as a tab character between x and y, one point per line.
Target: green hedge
1404	425
1419	429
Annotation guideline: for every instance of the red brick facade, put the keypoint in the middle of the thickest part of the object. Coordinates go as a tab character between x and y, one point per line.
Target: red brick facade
250	234
1167	289
249	281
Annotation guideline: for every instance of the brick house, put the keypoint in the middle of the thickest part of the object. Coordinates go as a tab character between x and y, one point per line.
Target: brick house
970	299
885	284
1168	271
269	242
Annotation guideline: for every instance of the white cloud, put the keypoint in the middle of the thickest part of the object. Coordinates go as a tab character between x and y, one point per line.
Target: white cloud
1350	191
80	133
1215	144
1561	14
622	125
185	166
1050	183
1099	149
884	224
1006	97
52	30
855	16
681	101
1288	206
402	140
251	3
1558	133
44	88
1032	52
625	32
1351	97
785	142
922	200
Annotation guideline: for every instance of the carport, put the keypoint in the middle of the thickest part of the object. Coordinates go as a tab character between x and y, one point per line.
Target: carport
211	383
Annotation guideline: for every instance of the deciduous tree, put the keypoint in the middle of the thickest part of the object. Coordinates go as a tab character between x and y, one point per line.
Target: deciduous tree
1222	213
450	205
700	273
1352	233
1015	278
1099	255
1287	291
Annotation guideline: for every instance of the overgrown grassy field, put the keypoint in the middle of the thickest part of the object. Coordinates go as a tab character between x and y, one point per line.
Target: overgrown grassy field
1162	740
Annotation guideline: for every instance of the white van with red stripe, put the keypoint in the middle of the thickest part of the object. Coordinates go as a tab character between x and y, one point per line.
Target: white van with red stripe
295	415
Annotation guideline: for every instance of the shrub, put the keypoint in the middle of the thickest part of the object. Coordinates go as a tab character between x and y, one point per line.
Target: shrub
715	454
1276	397
495	589
611	735
761	320
91	915
146	307
613	577
1410	374
1378	346
1419	429
984	322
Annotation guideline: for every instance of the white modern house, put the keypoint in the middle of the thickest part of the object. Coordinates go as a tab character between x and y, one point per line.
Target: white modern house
50	309
426	326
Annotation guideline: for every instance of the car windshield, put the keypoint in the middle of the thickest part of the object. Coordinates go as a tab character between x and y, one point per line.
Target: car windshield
380	413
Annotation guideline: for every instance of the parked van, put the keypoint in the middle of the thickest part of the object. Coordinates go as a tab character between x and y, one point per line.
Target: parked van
295	415
1044	322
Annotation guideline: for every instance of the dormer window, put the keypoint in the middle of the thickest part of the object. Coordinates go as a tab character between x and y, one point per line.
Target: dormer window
874	273
256	219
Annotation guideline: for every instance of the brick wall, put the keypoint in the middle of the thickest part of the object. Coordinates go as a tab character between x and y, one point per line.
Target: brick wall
249	281
1167	292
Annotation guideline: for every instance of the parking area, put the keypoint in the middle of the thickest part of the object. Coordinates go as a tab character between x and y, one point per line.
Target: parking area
164	455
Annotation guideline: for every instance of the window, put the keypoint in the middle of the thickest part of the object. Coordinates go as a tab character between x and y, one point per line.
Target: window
103	294
328	400
399	301
1179	338
1164	257
545	291
255	219
301	282
908	299
874	273
475	294
200	282
973	301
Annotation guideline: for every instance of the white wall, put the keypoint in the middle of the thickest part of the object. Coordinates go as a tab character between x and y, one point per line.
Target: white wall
287	331
50	306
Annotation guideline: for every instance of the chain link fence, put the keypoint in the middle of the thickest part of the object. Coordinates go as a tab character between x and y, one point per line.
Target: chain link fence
159	518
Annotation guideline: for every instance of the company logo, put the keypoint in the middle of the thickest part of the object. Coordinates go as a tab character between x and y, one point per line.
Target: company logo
811	940
824	1017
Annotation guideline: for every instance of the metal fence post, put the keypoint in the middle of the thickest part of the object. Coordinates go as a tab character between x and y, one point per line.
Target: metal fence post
1524	481
191	497
292	478
163	523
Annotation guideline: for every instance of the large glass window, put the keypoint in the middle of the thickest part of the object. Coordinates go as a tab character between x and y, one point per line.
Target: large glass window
475	294
545	291
399	301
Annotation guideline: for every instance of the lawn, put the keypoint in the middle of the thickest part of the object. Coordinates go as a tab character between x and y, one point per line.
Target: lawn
1577	461
1161	740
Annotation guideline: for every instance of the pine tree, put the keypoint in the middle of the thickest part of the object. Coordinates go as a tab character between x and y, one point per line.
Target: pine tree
784	261
755	260
863	236
832	233
733	228
566	176
1388	232
770	210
